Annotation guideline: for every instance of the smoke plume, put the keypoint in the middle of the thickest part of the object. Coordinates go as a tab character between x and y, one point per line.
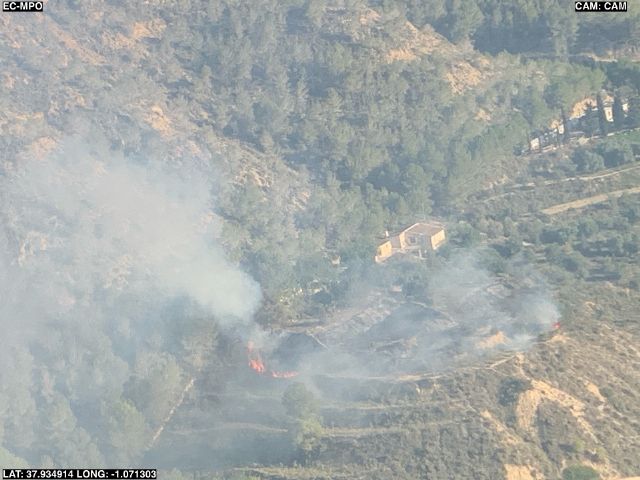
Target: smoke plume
83	227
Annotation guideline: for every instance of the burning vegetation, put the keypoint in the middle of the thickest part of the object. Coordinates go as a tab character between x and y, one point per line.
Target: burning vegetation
257	364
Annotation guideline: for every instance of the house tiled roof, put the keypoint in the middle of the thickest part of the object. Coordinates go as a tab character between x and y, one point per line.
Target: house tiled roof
429	229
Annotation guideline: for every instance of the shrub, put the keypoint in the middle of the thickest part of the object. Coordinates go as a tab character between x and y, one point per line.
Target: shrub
510	389
588	161
580	472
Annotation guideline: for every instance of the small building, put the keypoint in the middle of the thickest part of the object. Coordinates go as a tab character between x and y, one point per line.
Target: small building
384	251
553	136
416	239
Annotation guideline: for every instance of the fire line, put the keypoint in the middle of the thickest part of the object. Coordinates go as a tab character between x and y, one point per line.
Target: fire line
257	365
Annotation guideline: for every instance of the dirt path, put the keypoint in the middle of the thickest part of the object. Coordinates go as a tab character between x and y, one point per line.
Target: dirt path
585	178
171	412
512	189
229	426
584	202
605	174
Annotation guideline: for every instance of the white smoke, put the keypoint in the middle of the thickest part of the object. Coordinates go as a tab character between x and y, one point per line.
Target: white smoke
517	303
80	226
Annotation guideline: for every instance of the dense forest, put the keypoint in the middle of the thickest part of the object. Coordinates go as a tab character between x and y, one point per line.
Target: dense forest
300	131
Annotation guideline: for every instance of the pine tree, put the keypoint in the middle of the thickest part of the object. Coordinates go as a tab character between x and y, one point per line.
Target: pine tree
602	118
633	115
565	125
590	121
618	113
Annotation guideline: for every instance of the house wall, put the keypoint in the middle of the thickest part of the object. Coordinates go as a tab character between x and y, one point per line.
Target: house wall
402	239
384	251
608	113
437	239
409	242
534	144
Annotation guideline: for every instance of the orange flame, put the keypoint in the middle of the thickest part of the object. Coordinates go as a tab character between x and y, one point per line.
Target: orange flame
257	365
255	362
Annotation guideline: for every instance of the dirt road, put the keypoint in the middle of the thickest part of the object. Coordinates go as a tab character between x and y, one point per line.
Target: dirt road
512	189
585	202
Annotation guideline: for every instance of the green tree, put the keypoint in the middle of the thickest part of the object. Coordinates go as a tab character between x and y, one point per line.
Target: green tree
616	153
314	12
299	402
492	261
125	431
563	28
466	235
510	389
566	135
580	472
415	183
559	235
634	282
576	263
602	118
590	122
155	385
534	108
633	113
463	19
618	113
305	427
199	340
58	421
306	434
587	227
512	246
587	160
